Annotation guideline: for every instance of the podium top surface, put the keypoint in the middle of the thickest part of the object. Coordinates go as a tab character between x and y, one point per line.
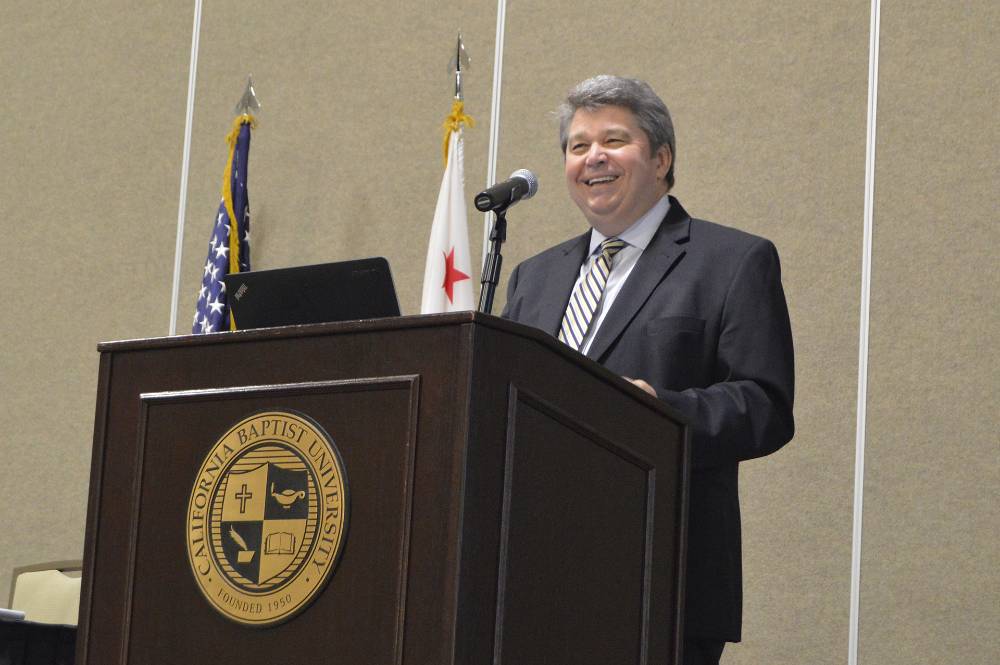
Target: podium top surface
313	330
390	324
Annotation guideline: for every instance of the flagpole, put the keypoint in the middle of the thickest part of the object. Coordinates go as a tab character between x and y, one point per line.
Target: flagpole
185	164
448	268
491	166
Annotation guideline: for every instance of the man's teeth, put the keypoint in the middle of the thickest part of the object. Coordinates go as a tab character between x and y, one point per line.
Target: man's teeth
602	179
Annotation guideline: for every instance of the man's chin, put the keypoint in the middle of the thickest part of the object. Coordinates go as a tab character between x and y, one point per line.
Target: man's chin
607	224
599	211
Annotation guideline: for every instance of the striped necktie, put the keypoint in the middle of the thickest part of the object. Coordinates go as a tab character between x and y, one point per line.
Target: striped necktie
587	295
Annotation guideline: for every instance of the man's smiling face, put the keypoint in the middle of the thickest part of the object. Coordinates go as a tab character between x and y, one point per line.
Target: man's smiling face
610	172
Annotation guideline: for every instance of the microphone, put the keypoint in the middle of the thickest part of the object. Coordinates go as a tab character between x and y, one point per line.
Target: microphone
522	184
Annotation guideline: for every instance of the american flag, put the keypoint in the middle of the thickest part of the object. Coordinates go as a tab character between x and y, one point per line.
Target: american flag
212	313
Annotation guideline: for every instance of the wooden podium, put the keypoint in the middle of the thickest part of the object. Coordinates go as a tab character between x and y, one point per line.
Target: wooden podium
510	500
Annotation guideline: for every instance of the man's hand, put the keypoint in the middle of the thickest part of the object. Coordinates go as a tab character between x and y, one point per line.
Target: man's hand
642	384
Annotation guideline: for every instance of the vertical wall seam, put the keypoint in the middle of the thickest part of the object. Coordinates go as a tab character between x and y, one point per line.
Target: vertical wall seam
185	164
491	164
866	274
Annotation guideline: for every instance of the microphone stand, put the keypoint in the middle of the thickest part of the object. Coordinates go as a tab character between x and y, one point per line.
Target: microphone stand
491	267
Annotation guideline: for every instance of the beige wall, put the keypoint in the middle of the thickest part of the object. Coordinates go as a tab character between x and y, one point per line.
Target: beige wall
929	570
769	101
91	128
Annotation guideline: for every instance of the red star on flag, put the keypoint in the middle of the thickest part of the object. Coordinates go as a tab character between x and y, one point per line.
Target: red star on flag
451	275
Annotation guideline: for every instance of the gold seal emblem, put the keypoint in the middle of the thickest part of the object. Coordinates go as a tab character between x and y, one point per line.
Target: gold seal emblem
267	518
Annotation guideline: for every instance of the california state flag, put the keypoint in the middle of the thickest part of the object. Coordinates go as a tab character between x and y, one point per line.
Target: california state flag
447	274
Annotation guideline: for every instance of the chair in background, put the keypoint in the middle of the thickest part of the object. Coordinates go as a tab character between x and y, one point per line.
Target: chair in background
47	592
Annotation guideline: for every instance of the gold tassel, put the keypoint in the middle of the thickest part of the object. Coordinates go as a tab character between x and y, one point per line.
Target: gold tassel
454	122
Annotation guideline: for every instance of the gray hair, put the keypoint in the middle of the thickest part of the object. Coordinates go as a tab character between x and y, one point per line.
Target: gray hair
635	95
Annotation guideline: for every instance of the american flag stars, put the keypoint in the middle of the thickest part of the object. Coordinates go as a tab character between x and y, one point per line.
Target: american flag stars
212	311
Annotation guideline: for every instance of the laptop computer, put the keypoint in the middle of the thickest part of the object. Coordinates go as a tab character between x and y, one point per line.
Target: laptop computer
342	291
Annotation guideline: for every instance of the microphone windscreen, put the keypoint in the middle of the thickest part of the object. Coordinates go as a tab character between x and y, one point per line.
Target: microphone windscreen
530	177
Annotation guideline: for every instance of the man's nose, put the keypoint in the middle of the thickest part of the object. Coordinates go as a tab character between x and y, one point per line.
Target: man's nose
596	156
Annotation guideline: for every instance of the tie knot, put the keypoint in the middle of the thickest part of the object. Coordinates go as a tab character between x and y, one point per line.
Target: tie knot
612	246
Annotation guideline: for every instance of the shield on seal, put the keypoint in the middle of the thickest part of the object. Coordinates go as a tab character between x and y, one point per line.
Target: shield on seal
264	515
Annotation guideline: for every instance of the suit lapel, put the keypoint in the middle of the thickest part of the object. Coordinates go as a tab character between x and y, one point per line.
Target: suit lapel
562	273
656	261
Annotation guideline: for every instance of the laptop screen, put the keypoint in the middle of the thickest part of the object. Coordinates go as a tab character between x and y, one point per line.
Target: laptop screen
343	291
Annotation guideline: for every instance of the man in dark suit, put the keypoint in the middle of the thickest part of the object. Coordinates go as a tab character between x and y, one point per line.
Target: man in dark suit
692	311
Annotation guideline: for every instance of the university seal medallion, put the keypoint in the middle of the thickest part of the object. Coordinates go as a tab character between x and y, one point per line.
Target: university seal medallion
267	518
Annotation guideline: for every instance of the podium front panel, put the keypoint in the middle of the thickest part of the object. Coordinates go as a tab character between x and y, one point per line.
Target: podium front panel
372	425
577	511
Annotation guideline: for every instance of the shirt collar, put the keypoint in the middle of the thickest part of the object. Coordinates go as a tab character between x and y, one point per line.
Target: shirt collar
640	233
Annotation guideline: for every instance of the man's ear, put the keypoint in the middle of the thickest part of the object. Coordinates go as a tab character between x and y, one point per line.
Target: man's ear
664	159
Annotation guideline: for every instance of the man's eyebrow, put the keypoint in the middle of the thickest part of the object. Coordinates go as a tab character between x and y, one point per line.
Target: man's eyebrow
617	130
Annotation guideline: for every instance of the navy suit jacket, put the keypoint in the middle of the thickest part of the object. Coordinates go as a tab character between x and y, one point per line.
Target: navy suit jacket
702	318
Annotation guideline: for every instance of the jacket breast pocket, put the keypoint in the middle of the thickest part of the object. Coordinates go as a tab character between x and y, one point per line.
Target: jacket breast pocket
675	324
